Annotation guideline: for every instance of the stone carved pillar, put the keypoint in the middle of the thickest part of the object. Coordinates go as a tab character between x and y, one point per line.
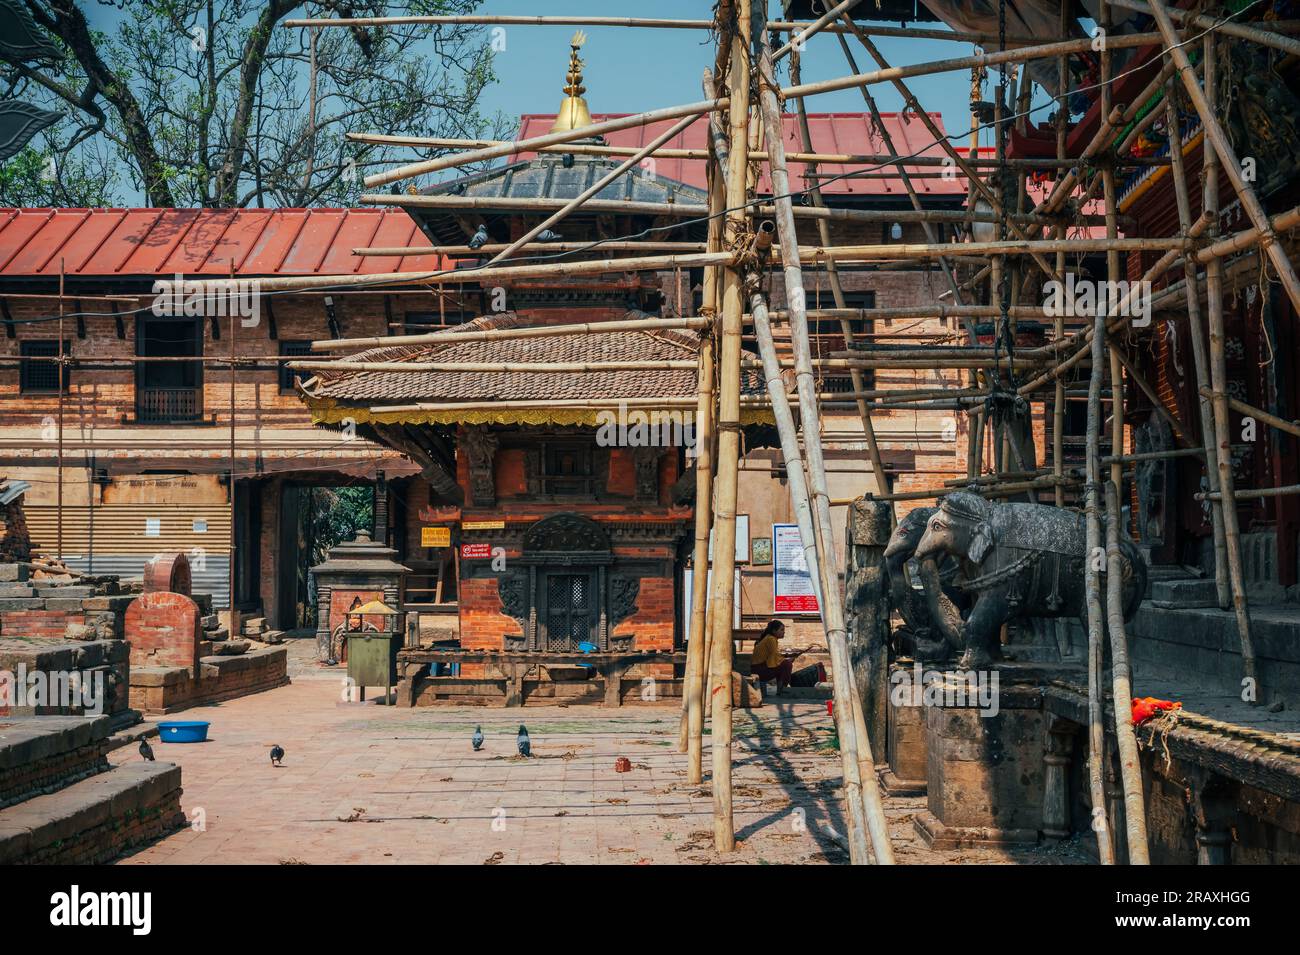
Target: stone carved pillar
1115	803
866	601
1056	780
1214	806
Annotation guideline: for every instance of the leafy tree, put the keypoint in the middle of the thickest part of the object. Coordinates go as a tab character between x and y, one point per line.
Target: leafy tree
216	103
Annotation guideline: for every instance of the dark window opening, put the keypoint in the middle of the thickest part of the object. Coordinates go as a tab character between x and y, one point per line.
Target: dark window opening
37	374
567	469
287	375
169	391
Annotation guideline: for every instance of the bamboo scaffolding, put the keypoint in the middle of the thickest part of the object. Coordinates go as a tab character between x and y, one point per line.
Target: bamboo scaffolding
837	290
862	793
836	159
1058	321
1200	359
1218	356
689	210
1219	25
1230	164
1018	55
594	189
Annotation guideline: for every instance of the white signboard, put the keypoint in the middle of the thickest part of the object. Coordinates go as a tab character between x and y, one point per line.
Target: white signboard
742	539
792	585
687	592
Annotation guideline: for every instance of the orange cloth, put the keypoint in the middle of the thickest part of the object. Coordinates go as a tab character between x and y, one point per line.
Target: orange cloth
766	653
1149	707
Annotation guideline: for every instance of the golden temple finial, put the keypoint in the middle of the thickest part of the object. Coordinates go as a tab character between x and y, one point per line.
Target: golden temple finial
573	112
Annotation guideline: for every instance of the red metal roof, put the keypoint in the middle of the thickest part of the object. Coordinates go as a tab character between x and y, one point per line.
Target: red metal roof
136	242
830	132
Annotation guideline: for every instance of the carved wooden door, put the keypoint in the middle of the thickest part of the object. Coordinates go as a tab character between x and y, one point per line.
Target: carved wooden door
570	611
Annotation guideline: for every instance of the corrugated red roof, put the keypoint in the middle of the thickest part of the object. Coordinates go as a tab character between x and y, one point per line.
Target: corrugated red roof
841	133
146	242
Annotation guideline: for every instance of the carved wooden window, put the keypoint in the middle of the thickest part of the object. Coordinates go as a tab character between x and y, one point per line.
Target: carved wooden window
567	469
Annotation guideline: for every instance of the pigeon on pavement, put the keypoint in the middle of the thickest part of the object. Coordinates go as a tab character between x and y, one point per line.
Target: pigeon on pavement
477	739
146	750
523	742
277	754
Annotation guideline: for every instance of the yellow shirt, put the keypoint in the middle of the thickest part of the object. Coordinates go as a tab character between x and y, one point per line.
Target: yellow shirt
766	653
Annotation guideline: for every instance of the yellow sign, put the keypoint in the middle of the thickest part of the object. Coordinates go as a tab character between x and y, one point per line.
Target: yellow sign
435	536
482	525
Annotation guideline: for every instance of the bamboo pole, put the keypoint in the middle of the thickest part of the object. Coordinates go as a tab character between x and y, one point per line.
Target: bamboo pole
698	656
1113	270
1219	362
733	23
693	697
1135	817
1092	589
464	251
1200	360
1236	404
516	334
862	795
1253	493
1058	323
1231	166
798	38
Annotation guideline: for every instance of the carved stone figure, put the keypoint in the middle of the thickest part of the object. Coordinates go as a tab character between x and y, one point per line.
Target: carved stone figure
1017	560
923	635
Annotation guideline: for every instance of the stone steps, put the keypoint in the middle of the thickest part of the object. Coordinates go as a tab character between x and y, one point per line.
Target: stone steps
96	819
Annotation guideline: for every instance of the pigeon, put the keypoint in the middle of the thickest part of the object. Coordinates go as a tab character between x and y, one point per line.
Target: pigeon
523	742
479	238
546	235
277	754
477	739
146	751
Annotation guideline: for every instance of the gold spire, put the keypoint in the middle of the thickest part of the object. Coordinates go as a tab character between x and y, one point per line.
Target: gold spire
573	111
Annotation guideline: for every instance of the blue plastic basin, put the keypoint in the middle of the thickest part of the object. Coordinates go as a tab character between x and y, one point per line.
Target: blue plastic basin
183	731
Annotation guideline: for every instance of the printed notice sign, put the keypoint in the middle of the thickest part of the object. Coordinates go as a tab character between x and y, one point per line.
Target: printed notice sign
435	536
792	587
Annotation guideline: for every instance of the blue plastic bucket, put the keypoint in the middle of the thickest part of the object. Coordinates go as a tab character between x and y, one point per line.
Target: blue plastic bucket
183	731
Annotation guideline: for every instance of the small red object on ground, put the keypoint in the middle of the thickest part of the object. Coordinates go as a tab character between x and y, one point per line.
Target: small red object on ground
1149	707
830	707
622	765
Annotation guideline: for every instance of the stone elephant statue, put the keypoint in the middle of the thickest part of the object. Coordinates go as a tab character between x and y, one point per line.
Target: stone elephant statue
928	634
1018	560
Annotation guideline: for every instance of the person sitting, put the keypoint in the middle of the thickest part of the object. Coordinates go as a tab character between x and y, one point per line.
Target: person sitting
767	662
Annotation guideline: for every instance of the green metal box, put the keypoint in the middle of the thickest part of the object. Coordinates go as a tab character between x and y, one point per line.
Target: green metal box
372	659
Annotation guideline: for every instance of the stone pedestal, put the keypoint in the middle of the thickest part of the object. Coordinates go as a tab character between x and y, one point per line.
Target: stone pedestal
905	748
985	776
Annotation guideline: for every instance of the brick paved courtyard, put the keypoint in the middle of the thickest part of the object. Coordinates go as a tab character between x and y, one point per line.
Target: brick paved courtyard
374	784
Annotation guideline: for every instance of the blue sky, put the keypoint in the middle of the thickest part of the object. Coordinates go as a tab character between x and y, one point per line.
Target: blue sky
631	70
